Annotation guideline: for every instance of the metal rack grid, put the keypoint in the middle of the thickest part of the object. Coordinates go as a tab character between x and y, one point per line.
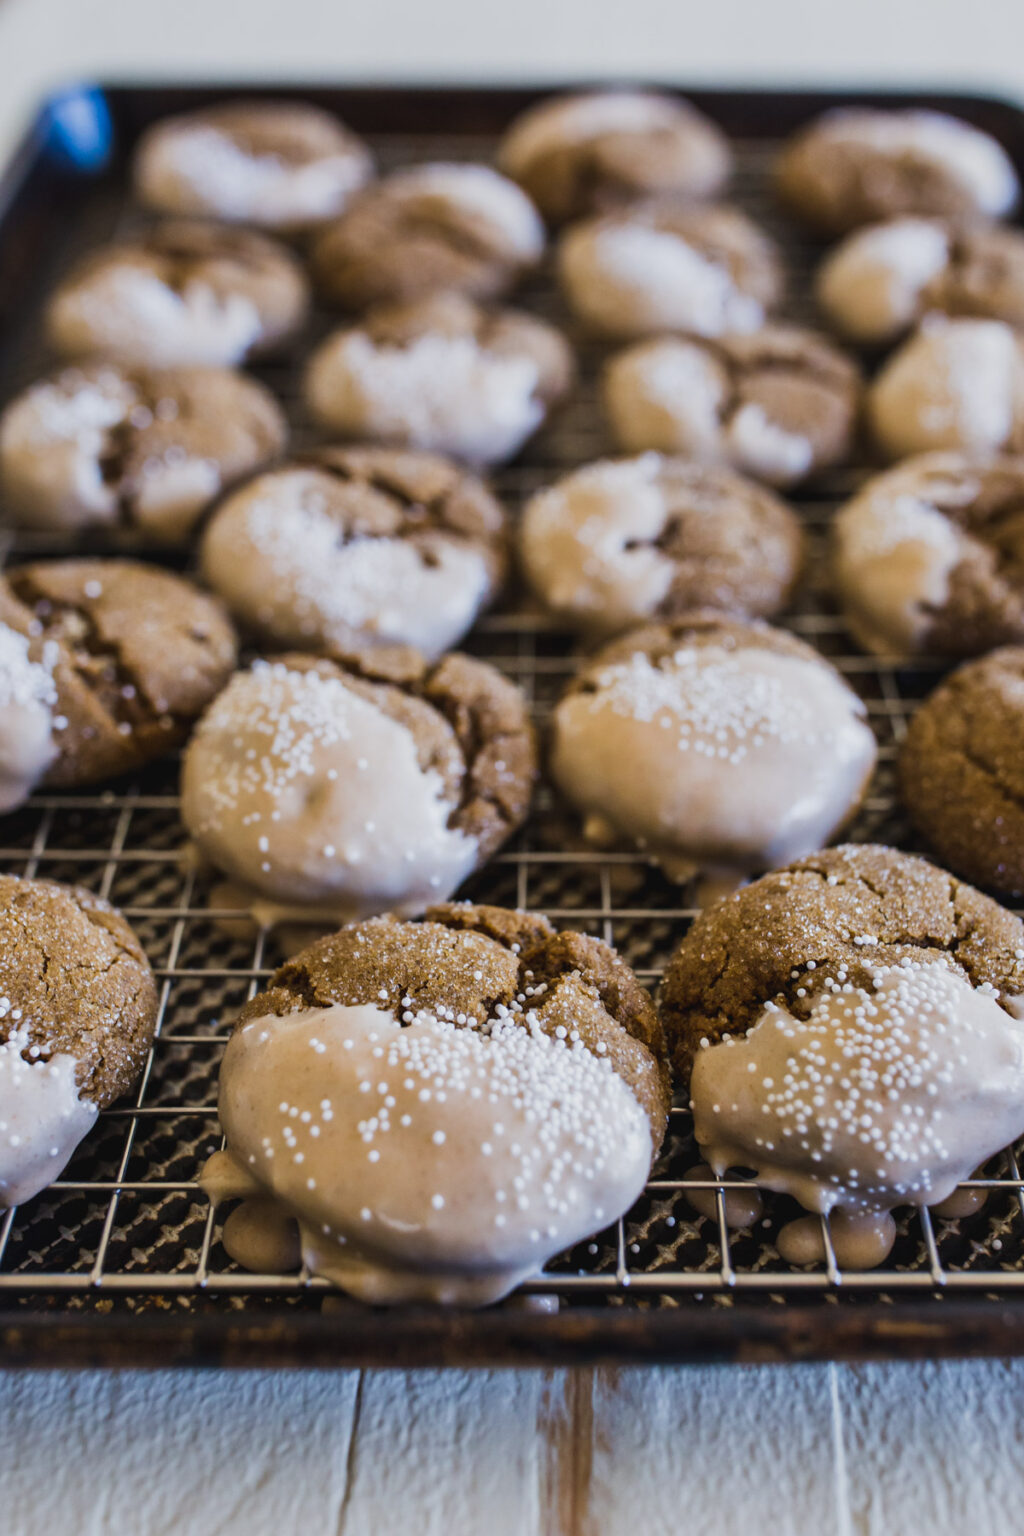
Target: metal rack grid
127	1223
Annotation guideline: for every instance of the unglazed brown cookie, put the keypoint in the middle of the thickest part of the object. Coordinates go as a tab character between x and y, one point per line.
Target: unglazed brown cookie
517	1090
885	278
597	150
442	375
358	546
134	652
712	745
929	558
281	165
103	445
434	228
624	540
183	292
961	770
854	165
78	1014
779	404
852	908
376	783
954	383
670	266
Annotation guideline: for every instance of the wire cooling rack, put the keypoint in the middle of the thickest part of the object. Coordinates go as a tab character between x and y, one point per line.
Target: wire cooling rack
127	1228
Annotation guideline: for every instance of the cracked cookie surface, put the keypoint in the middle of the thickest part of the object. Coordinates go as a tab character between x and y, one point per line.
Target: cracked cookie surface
184	292
961	770
75	980
135	654
358	546
100	445
473	960
852	909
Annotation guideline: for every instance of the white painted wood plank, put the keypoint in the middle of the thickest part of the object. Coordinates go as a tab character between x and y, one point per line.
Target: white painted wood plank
935	1447
713	1450
448	1453
174	1453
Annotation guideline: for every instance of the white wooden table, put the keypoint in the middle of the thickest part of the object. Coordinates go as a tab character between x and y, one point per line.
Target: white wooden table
804	1451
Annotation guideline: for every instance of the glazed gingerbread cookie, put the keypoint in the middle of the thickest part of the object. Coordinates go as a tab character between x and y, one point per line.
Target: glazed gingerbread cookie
133	655
358	546
711	745
669	266
426	229
596	150
281	165
928	558
442	375
779	404
183	292
855	165
492	1090
327	790
106	446
78	1017
625	540
851	1029
882	280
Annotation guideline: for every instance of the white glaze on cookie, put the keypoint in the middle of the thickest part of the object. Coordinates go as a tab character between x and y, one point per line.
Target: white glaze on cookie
198	167
588	546
673	395
955	384
628	279
886	1094
894	558
274	553
298	787
477	193
42	1116
428	1160
872	285
715	759
575	120
958	150
28	696
126	311
446	394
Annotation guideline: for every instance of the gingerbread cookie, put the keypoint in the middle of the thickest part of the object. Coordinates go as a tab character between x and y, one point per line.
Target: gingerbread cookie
519	1092
929	558
882	280
960	770
281	165
954	384
779	404
332	790
78	1017
428	229
182	293
712	746
133	653
855	165
851	1029
102	445
668	266
441	375
358	546
595	150
624	540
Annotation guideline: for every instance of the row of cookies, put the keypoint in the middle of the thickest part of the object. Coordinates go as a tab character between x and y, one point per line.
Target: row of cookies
430	1110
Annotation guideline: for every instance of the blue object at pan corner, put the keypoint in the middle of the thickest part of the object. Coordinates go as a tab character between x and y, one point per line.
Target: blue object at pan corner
77	129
